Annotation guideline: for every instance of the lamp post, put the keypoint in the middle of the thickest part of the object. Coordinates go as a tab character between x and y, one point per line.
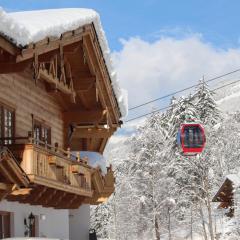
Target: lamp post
29	225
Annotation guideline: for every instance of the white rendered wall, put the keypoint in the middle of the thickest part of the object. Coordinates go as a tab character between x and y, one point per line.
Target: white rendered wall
55	225
79	222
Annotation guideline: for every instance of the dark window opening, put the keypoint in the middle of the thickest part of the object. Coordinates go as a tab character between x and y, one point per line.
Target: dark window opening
5	225
7	116
193	137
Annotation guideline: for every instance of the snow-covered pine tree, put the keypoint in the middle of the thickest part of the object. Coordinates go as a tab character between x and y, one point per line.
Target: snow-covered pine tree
100	219
208	111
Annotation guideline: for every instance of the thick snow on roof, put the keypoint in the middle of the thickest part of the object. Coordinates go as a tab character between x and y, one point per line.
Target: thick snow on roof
234	178
28	27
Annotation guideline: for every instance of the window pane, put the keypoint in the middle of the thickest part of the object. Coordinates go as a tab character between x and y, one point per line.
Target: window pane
42	132
193	137
37	130
8	125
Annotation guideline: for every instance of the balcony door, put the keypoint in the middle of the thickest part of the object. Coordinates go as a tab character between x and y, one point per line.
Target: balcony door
5	225
42	132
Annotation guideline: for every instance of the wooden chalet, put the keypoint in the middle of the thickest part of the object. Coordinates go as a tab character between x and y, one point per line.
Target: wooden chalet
225	194
56	101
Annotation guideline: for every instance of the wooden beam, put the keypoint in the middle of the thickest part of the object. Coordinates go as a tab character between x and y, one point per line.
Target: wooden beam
57	85
12	170
21	191
82	116
60	198
50	45
102	74
42	190
64	201
3	194
84	100
60	186
103	144
72	49
50	197
17	173
6	174
4	186
52	200
8	47
92	133
84	84
73	203
41	199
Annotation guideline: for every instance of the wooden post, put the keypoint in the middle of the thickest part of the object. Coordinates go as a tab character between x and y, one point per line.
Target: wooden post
68	152
56	146
85	160
30	137
78	156
36	68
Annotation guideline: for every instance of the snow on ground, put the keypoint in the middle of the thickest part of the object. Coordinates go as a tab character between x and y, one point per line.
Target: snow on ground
230	103
228	97
27	27
234	178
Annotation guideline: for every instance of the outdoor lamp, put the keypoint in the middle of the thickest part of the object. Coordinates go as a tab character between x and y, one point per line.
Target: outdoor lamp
28	225
31	219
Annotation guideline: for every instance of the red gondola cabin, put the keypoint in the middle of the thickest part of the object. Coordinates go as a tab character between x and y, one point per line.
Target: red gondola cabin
191	138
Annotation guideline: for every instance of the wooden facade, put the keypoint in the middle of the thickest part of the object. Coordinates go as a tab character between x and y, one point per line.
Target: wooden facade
225	196
55	94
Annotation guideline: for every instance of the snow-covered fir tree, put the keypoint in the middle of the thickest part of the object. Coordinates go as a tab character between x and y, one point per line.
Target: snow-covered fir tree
208	111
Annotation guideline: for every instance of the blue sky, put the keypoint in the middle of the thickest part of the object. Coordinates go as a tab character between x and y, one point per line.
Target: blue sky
216	20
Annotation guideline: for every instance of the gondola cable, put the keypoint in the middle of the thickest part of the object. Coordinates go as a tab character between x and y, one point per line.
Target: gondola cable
164	108
183	90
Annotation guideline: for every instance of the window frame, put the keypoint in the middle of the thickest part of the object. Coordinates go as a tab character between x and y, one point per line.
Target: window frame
42	125
4	107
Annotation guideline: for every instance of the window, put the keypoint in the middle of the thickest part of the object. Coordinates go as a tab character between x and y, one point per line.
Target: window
6	124
193	137
42	132
5	225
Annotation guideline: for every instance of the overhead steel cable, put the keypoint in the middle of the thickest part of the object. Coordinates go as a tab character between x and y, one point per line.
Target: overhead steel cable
164	108
182	90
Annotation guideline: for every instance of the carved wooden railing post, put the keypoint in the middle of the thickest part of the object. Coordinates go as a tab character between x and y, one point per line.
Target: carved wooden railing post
56	147
62	77
35	68
78	156
85	160
30	137
68	152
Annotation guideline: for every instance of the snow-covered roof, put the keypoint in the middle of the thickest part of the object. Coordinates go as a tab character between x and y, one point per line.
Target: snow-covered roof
27	27
234	178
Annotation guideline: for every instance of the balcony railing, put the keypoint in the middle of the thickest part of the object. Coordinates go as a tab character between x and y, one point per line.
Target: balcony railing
51	166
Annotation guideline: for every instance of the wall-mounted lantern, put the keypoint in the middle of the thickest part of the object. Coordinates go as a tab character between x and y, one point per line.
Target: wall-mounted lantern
29	223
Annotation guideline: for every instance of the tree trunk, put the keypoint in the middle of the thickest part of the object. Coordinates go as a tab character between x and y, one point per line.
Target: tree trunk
203	224
157	230
191	224
208	203
169	225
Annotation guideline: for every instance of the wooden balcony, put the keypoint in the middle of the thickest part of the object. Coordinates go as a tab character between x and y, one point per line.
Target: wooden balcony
103	186
55	178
